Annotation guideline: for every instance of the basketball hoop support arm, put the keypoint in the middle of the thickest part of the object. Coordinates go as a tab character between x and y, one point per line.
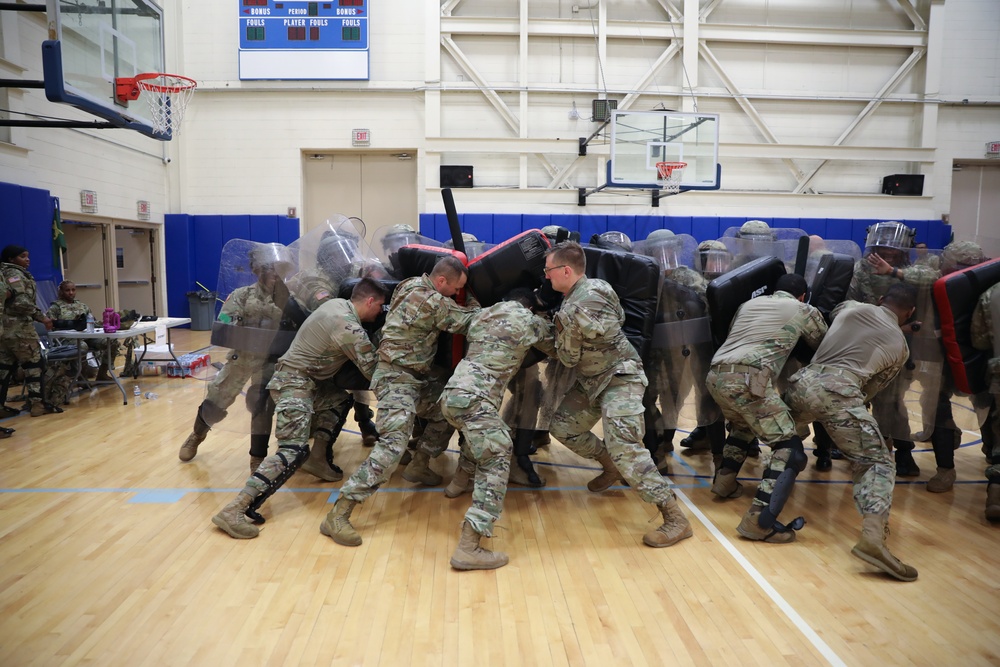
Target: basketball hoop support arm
586	140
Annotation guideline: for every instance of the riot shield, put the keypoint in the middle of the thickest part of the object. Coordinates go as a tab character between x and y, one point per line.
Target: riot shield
252	326
517	262
745	250
956	297
386	242
731	290
820	248
329	255
681	348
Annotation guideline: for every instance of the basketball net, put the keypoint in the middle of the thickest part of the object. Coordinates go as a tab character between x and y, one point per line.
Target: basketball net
668	175
167	96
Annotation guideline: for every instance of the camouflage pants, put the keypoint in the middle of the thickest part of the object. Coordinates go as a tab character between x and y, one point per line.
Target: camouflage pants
488	445
294	395
228	384
834	399
619	408
59	377
991	441
765	416
19	345
401	398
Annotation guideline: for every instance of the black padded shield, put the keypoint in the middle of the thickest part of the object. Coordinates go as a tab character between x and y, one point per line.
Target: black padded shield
416	260
517	262
832	280
731	290
956	296
636	279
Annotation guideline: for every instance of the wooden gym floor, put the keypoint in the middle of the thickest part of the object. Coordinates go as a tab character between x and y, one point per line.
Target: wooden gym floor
108	556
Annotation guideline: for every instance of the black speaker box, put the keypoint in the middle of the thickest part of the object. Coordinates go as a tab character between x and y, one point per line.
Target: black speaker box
456	176
903	184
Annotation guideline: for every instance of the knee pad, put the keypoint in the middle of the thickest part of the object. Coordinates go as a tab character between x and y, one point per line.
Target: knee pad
299	453
731	463
258	398
784	481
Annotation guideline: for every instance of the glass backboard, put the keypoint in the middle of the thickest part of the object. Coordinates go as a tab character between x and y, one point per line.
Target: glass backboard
640	139
93	42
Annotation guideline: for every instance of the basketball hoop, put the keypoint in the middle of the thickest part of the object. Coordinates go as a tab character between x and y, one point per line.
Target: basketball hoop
166	94
668	175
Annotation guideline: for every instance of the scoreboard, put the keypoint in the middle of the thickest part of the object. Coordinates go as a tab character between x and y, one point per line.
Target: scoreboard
303	40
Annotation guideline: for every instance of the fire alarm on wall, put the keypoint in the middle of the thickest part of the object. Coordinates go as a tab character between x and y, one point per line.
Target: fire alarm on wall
291	211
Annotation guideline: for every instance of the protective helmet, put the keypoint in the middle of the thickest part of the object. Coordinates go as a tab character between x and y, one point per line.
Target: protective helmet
756	230
271	257
658	235
961	254
890	234
397	236
337	251
612	241
466	238
552	231
715	258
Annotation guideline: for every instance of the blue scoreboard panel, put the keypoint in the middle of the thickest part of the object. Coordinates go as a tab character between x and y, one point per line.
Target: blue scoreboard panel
303	40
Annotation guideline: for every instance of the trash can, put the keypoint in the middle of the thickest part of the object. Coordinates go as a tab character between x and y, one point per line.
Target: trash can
202	306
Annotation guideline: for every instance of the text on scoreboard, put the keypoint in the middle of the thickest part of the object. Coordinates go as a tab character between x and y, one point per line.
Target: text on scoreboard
303	40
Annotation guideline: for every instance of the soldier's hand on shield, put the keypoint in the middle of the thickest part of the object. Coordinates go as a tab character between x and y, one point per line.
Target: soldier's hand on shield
880	266
911	327
280	294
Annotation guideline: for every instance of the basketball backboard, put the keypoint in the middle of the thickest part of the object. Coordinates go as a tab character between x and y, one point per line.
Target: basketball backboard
93	42
640	139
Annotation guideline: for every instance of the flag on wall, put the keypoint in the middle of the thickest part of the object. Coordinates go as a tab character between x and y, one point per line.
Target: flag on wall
58	238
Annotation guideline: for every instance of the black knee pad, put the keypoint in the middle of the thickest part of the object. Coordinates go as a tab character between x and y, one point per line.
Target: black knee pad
299	455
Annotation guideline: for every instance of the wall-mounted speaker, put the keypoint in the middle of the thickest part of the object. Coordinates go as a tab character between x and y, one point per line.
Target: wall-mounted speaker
903	184
456	176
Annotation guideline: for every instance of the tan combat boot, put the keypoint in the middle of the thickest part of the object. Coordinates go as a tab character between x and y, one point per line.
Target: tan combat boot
337	524
675	526
255	462
470	556
463	479
725	484
419	470
872	549
37	409
942	481
751	529
608	477
993	501
317	465
233	520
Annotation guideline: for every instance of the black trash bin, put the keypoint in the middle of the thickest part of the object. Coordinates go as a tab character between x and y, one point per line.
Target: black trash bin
202	306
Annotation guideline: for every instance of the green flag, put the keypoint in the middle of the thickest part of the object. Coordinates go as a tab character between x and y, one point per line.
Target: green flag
58	238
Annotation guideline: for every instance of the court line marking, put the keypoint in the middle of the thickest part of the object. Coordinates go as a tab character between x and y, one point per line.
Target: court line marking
793	616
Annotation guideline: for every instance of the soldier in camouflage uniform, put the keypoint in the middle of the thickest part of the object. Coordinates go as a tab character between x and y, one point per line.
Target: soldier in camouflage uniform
19	344
330	337
67	307
4	294
609	387
985	329
406	386
742	380
886	262
250	306
860	354
499	338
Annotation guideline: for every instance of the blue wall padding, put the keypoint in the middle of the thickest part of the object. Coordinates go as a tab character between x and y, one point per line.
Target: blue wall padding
236	227
26	220
499	227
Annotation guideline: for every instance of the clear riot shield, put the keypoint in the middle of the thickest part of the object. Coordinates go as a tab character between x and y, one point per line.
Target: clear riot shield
907	407
819	247
329	255
681	348
783	246
251	327
387	241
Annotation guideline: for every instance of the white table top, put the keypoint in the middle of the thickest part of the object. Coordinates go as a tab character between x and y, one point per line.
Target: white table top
137	330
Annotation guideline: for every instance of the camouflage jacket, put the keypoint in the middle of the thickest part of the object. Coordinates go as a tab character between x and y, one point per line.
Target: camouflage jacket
329	338
417	314
61	309
250	306
312	288
589	336
766	329
981	326
20	305
499	337
868	287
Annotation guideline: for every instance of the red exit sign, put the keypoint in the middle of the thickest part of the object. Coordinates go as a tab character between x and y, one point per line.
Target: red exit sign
361	137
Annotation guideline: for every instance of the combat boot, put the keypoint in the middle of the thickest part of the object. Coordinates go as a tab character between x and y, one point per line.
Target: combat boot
337	524
37	409
317	464
369	434
872	549
419	471
103	374
255	462
725	484
697	440
942	481
905	465
608	477
470	556
522	473
751	529
675	526
233	519
993	501
461	481
198	434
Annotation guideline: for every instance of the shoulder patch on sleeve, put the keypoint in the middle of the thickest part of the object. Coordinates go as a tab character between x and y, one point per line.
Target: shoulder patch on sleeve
14	279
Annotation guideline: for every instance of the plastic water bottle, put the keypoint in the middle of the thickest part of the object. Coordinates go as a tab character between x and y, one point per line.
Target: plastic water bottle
151	395
136	391
90	323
